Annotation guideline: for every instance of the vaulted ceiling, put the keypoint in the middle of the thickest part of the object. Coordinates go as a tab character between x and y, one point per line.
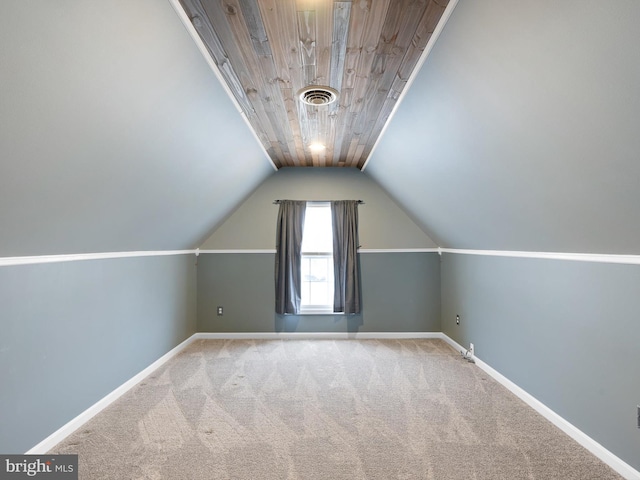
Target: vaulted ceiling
268	50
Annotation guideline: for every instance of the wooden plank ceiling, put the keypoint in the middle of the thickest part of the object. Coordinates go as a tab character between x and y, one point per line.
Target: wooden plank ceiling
267	50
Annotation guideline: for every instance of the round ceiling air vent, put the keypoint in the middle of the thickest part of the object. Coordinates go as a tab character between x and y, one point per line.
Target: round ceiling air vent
316	95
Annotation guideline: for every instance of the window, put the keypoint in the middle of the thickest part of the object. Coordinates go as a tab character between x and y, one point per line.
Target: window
307	250
317	259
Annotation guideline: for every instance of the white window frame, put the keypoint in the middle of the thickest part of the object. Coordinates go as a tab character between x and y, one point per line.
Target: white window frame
310	309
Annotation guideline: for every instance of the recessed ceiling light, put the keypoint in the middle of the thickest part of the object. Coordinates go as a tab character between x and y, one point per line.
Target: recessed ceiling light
316	147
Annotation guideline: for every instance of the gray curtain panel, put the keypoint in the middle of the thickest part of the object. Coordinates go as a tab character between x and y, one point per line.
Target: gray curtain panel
289	256
346	296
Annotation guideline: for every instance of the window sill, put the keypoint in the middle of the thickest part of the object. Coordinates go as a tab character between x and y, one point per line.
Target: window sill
317	312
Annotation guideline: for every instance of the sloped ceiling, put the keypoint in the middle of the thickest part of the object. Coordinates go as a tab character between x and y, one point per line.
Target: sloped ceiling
522	130
114	133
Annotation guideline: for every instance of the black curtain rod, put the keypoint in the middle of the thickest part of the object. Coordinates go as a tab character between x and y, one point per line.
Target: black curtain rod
277	202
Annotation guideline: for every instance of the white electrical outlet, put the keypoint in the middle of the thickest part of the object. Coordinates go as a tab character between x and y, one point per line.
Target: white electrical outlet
471	349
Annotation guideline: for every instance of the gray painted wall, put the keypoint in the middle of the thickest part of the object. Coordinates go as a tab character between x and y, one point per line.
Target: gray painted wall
566	332
73	332
400	290
382	224
400	293
115	134
520	131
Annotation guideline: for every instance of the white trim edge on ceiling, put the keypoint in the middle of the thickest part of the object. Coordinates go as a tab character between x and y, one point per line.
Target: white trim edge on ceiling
427	50
207	56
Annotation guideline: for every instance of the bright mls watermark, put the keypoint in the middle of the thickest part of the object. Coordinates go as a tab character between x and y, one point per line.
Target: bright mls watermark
50	467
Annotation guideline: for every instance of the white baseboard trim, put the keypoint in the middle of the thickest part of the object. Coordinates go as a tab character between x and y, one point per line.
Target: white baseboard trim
70	427
74	424
360	250
619	465
315	335
623	468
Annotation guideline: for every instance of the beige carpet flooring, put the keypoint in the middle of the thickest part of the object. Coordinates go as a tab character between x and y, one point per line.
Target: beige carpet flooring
324	409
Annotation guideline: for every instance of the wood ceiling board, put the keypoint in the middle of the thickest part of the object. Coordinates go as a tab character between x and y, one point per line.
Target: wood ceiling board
339	140
267	50
341	16
280	25
255	27
324	40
